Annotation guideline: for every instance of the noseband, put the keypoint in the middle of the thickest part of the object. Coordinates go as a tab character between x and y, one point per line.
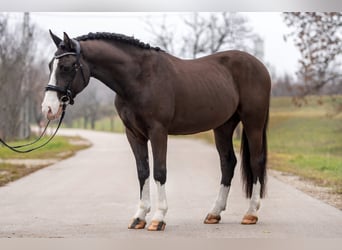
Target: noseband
67	95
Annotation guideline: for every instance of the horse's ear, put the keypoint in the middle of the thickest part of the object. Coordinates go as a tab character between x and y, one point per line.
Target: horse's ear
68	43
55	38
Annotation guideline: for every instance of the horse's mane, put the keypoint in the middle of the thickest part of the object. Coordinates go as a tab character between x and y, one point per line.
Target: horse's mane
116	37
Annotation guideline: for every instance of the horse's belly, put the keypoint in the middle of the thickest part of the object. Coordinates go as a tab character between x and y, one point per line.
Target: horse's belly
198	121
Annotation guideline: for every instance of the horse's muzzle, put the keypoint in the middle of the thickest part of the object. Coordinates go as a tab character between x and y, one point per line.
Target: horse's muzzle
50	116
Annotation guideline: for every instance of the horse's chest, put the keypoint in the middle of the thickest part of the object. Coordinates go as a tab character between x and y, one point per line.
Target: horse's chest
137	118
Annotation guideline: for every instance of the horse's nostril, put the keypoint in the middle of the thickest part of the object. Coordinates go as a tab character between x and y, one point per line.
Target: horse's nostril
52	115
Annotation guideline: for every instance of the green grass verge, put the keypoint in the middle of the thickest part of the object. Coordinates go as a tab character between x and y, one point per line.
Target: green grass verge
107	124
59	148
306	141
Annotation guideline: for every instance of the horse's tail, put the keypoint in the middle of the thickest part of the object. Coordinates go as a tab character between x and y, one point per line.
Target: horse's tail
247	174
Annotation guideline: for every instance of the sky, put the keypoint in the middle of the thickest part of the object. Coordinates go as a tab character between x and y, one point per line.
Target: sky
281	55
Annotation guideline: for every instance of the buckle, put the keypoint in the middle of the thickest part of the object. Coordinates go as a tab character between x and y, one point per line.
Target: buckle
65	99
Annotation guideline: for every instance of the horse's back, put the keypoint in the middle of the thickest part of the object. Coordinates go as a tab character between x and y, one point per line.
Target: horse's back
251	78
244	68
209	90
235	67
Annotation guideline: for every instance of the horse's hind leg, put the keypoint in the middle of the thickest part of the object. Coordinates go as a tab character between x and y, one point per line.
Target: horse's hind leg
254	156
224	145
140	151
251	216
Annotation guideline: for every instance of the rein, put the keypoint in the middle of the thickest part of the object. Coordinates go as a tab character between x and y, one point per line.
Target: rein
17	148
67	98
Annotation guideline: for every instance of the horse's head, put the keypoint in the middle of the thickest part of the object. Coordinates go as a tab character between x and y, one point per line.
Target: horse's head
69	75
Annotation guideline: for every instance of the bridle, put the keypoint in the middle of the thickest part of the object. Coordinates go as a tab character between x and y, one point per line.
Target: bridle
66	92
67	98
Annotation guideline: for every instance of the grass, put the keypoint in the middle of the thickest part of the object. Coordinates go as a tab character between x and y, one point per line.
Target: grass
107	124
12	172
306	141
58	148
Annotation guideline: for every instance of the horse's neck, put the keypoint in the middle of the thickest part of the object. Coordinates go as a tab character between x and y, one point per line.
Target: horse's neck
112	66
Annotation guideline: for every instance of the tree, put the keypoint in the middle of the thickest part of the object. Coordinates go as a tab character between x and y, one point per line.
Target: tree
92	104
283	86
20	76
318	36
12	58
207	33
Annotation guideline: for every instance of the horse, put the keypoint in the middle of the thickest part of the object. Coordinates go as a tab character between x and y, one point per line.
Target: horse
157	95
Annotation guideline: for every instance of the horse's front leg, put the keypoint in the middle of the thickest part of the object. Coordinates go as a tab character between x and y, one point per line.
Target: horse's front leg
140	151
158	138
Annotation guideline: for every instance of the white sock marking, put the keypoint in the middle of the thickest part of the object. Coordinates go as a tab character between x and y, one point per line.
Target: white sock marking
144	204
161	203
51	101
221	201
255	199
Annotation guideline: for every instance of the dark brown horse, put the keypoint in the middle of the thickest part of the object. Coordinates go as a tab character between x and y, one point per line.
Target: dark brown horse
158	95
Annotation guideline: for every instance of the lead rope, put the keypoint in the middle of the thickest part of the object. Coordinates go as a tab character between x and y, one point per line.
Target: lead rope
16	148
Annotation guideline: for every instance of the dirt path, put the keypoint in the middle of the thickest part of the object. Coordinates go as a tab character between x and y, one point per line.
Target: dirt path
95	193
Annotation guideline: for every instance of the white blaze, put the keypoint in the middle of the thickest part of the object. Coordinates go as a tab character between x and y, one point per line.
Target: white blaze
51	101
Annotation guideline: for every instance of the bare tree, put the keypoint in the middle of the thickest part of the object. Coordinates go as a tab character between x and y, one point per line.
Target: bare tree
283	86
318	36
207	33
163	33
11	59
19	76
94	103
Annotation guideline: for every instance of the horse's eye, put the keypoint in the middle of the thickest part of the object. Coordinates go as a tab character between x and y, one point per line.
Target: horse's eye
65	69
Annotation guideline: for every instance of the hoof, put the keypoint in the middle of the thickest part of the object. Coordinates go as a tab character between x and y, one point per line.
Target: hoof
249	219
212	219
157	226
137	224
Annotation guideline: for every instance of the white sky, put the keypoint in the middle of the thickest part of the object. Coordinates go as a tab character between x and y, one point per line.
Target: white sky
278	53
282	56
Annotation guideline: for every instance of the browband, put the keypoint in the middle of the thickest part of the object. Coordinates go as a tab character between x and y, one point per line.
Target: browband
65	54
77	52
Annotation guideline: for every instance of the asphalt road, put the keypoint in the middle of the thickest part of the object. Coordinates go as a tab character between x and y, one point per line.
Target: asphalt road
95	194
